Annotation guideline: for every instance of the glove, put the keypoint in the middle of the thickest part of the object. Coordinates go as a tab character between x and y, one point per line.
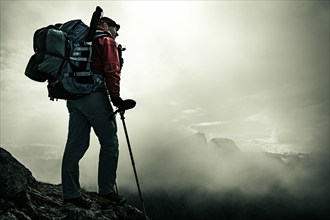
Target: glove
123	104
118	102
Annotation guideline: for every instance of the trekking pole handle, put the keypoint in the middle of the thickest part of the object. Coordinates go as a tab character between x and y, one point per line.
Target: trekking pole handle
128	104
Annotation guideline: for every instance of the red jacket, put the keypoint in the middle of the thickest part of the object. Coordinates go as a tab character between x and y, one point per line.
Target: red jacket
105	61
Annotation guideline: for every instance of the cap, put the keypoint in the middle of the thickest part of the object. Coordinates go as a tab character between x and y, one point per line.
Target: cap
110	22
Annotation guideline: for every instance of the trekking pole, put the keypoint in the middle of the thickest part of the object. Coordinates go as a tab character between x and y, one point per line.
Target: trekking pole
129	104
122	117
94	22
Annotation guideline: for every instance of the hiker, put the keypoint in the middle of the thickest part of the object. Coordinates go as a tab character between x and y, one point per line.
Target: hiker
94	111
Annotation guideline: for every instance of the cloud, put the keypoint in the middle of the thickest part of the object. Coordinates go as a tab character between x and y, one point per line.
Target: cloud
206	124
241	66
259	118
194	111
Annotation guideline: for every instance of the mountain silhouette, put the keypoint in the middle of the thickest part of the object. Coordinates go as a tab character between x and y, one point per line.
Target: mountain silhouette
225	145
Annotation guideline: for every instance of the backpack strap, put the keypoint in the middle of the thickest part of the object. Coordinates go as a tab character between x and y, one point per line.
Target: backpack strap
78	74
100	33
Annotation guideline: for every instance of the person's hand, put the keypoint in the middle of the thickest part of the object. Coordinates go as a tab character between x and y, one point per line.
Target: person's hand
118	102
123	105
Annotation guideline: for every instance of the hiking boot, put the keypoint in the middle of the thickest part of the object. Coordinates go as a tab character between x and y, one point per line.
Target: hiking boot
111	198
78	202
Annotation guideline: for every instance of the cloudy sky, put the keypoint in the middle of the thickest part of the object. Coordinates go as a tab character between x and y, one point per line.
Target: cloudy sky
255	72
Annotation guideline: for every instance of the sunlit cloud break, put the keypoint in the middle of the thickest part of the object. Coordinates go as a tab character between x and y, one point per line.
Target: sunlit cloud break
194	111
206	124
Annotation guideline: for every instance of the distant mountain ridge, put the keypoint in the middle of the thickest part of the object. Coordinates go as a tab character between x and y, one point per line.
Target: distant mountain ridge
225	145
23	197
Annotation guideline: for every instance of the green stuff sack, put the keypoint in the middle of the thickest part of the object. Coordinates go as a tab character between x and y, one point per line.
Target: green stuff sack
49	44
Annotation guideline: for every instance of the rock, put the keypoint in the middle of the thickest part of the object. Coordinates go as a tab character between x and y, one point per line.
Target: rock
22	197
14	176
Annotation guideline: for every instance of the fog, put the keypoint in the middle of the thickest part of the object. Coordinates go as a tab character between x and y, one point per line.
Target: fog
184	176
252	71
260	68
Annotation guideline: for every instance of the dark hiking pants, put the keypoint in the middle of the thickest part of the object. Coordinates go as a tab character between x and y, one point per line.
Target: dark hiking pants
91	111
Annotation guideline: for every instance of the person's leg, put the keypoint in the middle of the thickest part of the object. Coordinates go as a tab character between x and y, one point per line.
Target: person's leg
99	113
76	146
105	129
108	158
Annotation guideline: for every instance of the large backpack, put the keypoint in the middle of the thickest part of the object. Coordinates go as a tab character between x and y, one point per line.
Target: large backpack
63	57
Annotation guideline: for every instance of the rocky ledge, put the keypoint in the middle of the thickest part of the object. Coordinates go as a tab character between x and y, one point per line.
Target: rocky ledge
23	197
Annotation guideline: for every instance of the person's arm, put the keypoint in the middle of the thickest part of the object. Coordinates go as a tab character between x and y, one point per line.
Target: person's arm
111	67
